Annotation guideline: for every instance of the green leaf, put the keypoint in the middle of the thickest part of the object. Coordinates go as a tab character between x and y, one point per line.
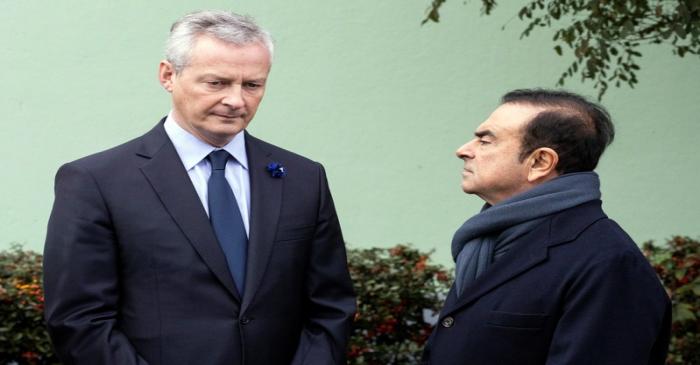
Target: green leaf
683	312
557	49
696	286
680	273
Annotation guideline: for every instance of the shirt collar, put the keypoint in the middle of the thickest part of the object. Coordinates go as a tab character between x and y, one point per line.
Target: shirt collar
192	150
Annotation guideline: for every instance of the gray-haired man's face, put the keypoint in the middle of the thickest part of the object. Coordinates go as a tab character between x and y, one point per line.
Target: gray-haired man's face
217	94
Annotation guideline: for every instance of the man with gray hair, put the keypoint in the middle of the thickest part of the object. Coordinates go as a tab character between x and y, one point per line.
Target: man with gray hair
543	276
198	243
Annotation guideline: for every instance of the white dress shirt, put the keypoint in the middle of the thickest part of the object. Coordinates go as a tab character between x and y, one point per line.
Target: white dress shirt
193	153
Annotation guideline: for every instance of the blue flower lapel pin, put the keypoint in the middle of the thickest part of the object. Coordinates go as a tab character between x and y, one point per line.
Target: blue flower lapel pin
276	170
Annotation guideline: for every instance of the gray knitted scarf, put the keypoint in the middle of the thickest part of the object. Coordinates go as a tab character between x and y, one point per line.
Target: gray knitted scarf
488	235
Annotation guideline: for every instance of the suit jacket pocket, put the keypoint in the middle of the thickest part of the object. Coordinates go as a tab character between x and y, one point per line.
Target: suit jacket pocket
294	233
517	320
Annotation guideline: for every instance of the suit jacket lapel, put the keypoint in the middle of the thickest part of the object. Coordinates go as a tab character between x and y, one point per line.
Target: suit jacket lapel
529	251
266	198
165	172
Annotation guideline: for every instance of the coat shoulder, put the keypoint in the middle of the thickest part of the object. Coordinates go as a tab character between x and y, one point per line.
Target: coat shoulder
603	244
608	239
589	227
281	155
111	158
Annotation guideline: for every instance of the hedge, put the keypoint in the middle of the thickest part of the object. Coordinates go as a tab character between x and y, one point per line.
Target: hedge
399	293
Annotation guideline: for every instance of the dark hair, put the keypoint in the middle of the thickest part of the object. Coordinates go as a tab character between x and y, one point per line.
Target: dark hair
577	129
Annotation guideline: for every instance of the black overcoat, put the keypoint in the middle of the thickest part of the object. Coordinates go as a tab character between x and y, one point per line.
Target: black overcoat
576	290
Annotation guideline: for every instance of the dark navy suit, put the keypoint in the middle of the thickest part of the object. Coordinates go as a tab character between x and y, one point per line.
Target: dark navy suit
576	290
134	273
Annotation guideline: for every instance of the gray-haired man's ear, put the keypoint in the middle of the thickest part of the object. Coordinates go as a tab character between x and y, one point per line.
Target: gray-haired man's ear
166	72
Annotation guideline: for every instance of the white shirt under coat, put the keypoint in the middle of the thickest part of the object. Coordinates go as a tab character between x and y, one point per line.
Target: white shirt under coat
193	153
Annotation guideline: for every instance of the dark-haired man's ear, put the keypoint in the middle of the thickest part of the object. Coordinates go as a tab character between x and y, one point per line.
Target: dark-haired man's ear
543	165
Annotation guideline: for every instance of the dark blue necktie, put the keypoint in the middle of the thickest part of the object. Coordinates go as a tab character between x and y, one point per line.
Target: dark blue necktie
226	219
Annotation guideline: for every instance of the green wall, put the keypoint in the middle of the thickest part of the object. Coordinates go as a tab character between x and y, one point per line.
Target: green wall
357	85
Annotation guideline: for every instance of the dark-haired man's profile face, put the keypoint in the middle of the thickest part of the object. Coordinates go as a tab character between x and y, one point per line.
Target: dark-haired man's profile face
217	94
492	167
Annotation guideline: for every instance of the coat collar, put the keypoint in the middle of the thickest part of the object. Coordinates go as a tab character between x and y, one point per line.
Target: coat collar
528	251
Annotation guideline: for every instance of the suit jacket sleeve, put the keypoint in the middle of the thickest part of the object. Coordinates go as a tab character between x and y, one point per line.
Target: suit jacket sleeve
614	314
81	275
331	300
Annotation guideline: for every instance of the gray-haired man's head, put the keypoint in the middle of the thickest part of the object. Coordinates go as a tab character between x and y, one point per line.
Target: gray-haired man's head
222	25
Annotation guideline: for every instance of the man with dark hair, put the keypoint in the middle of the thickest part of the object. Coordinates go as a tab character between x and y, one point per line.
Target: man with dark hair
198	243
543	276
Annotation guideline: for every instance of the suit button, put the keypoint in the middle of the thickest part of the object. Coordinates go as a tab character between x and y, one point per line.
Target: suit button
448	322
245	320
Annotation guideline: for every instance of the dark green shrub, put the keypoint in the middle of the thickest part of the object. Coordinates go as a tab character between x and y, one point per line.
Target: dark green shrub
396	289
23	337
678	266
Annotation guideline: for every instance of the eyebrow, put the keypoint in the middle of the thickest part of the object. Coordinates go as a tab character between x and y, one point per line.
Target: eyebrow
204	76
261	80
484	133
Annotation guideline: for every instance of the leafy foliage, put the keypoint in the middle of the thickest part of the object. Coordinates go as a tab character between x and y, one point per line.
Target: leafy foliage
396	288
678	265
23	337
605	35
